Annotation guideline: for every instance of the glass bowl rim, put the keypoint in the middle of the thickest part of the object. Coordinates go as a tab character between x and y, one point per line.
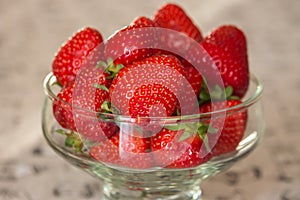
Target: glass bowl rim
50	80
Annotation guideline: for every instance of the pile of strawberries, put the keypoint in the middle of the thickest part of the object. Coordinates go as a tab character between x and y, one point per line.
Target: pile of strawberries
147	69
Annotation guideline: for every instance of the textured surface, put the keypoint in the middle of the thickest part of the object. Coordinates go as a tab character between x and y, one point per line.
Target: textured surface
32	30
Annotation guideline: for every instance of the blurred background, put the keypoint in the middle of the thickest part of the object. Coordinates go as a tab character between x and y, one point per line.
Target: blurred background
31	32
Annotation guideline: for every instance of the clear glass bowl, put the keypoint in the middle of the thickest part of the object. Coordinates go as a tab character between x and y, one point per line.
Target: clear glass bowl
121	182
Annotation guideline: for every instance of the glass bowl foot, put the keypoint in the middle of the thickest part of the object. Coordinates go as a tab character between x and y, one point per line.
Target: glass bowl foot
111	192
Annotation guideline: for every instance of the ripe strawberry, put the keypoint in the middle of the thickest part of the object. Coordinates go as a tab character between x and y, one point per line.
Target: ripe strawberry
173	17
72	54
227	136
193	76
62	108
189	104
131	43
176	32
173	149
143	21
233	69
227	46
229	38
150	87
132	142
77	106
125	150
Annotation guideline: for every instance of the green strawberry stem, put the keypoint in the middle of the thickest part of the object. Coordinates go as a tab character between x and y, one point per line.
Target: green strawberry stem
192	128
72	140
218	93
110	67
101	87
203	131
108	108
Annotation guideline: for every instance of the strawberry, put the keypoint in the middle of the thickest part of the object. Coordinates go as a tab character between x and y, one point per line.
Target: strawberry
77	105
150	87
227	46
229	38
173	149
72	54
143	21
176	31
193	76
125	150
131	43
226	137
173	17
189	104
89	94
131	141
62	108
233	69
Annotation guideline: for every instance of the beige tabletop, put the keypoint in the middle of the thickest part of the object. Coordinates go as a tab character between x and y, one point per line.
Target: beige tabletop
32	30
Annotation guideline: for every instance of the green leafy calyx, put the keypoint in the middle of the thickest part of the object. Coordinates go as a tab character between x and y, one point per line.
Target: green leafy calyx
110	67
72	140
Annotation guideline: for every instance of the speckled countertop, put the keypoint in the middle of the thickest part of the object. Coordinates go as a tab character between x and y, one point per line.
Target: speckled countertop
32	30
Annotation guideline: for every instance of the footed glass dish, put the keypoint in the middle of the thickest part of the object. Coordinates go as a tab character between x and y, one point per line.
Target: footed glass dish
121	181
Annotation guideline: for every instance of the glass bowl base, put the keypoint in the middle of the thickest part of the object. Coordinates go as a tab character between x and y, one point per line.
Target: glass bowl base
111	192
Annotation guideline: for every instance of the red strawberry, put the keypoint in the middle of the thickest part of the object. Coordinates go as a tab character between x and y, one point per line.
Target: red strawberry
132	142
176	32
171	150
189	104
143	21
62	108
193	76
233	69
97	69
125	150
173	17
72	54
232	131
227	46
150	87
77	105
131	43
229	38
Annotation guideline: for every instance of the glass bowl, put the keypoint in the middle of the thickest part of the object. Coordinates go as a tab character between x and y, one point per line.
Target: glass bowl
155	182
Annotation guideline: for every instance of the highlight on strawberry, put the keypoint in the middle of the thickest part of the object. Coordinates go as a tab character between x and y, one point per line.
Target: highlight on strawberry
119	96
